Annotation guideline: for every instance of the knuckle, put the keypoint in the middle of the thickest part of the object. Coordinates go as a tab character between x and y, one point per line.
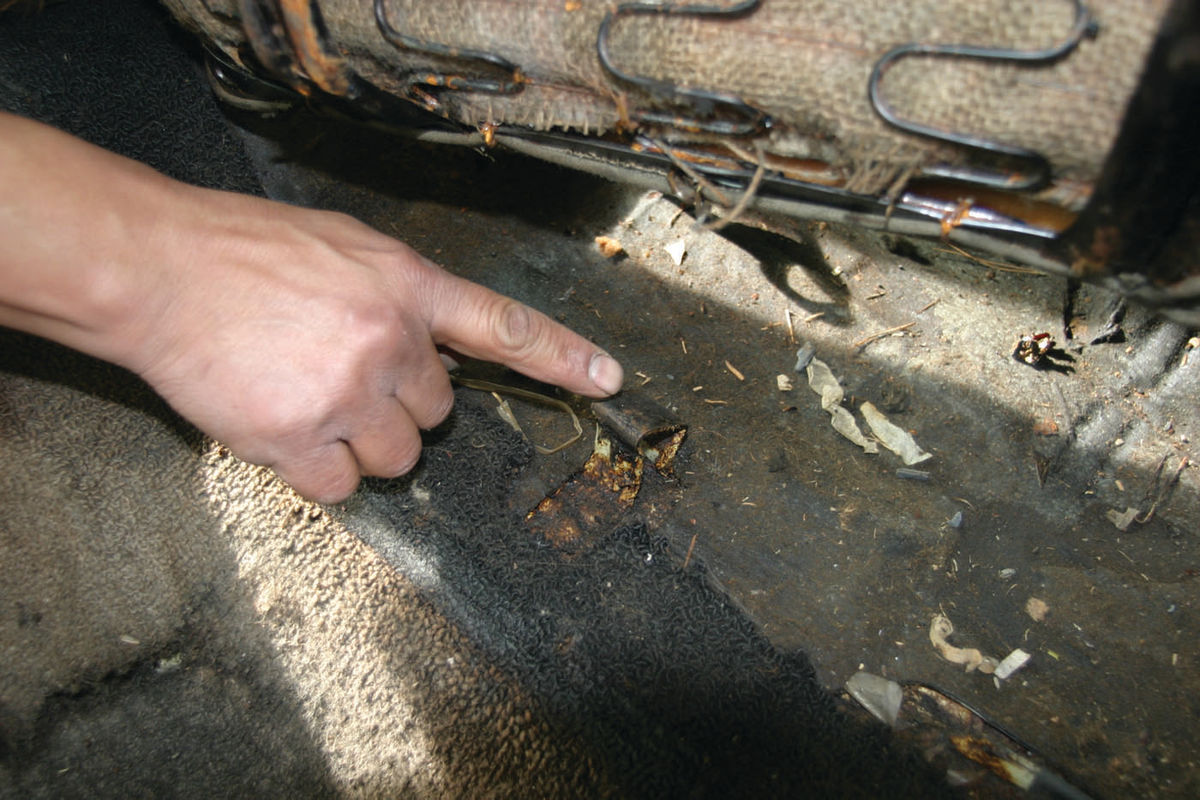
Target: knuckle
439	409
516	326
330	486
338	489
406	459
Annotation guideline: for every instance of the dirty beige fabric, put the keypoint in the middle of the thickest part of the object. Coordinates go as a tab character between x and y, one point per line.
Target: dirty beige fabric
154	586
72	549
807	64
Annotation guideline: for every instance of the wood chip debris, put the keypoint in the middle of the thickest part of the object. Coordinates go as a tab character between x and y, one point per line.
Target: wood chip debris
1037	609
609	246
1045	427
734	371
881	335
784	383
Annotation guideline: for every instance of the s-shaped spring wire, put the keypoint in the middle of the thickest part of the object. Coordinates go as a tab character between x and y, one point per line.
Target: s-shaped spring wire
1039	174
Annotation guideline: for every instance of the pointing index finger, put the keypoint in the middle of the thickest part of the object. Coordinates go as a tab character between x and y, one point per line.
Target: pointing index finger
483	324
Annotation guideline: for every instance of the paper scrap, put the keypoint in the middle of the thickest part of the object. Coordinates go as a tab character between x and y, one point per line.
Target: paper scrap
676	250
1011	663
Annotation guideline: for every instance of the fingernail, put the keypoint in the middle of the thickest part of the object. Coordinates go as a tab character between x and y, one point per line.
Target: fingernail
606	373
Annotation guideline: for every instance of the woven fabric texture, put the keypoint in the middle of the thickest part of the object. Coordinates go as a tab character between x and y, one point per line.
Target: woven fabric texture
807	64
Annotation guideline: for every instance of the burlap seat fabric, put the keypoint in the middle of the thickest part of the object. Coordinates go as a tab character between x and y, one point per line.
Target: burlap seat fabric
807	64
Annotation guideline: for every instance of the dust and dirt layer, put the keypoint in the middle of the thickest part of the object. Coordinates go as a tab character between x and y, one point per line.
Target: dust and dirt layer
1068	486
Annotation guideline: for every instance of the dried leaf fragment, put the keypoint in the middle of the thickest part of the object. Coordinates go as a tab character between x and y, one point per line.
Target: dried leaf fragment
893	437
1121	520
822	381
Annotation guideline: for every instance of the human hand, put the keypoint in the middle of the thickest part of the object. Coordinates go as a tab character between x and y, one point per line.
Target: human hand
307	341
303	340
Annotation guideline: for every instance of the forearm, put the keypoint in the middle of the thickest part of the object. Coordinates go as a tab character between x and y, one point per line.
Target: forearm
79	229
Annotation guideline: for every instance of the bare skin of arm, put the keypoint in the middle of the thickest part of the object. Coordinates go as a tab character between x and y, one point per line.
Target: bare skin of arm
303	340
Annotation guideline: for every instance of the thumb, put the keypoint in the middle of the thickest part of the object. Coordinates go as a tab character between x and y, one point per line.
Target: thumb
483	324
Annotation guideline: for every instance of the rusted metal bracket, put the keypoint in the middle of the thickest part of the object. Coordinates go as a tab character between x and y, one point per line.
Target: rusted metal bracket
644	426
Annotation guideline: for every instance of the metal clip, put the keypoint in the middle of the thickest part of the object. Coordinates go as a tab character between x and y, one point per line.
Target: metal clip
511	84
747	119
1039	166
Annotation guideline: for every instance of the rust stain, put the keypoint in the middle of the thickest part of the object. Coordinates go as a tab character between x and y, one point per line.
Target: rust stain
982	752
590	502
1106	243
322	68
954	218
1040	213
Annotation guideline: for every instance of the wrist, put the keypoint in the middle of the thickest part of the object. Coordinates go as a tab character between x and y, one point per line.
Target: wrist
79	230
